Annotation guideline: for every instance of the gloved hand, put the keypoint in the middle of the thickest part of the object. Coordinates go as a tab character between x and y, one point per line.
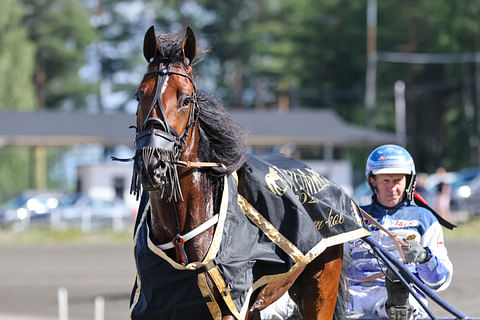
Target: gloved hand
416	253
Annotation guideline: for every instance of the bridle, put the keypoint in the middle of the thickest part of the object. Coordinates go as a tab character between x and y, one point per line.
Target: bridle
168	131
165	144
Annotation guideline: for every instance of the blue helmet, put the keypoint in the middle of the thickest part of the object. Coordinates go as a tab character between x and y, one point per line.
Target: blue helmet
392	159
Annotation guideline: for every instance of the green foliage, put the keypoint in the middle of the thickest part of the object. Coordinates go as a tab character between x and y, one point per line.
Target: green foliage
311	52
467	230
118	49
45	235
16	59
17	56
16	171
440	97
62	31
314	54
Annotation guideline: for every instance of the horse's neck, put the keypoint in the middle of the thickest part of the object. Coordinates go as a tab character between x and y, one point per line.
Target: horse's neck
171	218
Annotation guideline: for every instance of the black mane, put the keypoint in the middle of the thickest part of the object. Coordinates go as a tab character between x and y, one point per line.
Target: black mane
222	140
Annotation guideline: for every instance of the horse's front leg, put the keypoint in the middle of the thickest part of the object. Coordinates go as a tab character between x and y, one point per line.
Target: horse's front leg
316	288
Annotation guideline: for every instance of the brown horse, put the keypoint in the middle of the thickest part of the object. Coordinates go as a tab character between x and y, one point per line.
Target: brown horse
185	149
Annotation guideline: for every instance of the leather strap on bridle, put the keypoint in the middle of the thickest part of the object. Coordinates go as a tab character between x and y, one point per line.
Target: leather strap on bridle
197	164
157	101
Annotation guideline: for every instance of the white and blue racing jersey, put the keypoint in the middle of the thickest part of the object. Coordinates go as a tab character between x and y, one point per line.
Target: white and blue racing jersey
405	220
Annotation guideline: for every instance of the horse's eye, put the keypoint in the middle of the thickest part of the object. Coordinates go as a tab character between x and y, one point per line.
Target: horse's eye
186	101
138	95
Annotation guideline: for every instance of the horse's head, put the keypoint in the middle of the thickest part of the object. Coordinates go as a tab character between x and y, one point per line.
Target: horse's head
167	112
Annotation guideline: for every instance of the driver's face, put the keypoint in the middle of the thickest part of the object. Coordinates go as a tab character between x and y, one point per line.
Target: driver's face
390	188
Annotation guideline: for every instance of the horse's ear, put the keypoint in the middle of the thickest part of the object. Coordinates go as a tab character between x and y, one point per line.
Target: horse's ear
150	44
189	46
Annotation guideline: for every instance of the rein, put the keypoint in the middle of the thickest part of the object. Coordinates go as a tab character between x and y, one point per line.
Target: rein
398	242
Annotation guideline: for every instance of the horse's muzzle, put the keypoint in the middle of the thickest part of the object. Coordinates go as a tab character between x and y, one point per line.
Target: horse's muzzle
156	154
153	171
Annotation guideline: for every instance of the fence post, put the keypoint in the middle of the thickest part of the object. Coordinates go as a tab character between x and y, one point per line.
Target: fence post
62	304
99	308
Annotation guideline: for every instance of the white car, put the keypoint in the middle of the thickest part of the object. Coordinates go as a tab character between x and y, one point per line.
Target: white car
30	207
91	213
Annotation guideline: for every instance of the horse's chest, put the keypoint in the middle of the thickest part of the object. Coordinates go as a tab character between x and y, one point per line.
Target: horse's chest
161	289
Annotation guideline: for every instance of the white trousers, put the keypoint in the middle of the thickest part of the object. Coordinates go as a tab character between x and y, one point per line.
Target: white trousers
284	308
371	301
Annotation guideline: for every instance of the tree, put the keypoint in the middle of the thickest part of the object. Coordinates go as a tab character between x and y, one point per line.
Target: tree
440	97
17	55
120	26
61	30
319	59
16	59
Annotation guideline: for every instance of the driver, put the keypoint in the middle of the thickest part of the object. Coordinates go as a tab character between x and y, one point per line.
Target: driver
390	171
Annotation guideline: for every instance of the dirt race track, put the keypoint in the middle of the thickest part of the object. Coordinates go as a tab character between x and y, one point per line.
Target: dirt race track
31	275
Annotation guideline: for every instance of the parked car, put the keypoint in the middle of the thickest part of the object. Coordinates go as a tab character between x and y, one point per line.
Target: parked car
30	207
465	191
89	213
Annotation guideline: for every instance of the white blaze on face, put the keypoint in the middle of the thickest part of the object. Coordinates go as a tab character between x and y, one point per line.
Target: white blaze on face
165	84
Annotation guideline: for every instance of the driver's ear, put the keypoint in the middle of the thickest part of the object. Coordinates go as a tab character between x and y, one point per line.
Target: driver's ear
372	182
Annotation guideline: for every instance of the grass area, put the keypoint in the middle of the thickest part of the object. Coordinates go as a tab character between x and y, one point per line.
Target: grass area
44	235
468	230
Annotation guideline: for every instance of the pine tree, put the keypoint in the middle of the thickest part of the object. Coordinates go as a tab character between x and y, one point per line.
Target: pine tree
17	55
61	30
16	59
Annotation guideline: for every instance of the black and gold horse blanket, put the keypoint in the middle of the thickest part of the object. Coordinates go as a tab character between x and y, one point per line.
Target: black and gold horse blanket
276	215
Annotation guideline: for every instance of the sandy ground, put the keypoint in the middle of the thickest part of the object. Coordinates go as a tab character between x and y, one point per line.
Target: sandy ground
30	277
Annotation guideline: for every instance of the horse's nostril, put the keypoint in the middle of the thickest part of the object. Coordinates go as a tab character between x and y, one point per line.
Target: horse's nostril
159	167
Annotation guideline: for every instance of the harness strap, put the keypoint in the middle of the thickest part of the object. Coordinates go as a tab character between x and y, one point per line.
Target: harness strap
192	233
193	164
185	164
178	243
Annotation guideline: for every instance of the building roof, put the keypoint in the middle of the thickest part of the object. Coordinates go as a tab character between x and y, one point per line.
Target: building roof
313	127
